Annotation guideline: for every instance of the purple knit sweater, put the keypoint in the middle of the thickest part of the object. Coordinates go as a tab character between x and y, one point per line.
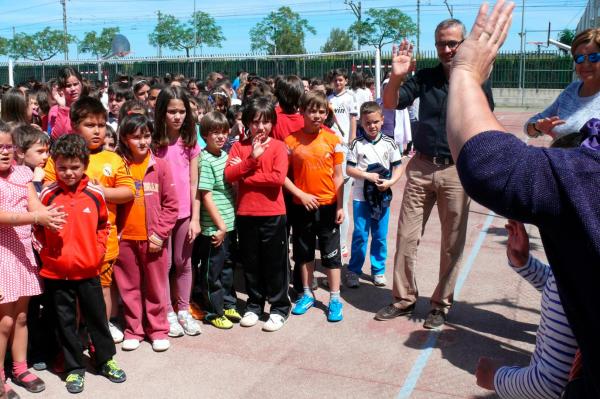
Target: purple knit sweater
558	190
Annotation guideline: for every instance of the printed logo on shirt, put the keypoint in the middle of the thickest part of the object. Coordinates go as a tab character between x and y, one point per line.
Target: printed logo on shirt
107	170
150	188
340	109
87	210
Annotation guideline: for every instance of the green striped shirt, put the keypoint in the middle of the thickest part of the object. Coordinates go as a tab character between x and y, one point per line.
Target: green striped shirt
212	179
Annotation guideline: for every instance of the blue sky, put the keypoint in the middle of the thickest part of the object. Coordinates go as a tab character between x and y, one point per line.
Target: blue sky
137	18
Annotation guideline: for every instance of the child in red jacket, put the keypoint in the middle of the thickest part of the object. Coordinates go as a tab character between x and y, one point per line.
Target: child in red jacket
72	257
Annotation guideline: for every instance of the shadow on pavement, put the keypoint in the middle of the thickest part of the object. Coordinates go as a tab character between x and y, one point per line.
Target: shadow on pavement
367	297
463	347
473	317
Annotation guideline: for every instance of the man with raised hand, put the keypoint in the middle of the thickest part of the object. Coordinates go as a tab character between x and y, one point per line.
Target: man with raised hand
431	176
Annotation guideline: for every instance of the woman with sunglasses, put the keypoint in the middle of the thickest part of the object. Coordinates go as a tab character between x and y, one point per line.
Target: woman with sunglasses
580	101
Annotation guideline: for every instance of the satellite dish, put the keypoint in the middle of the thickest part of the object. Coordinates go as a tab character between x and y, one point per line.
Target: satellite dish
120	46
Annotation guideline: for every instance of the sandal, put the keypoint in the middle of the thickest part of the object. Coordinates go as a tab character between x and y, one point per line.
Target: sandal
34	386
11	394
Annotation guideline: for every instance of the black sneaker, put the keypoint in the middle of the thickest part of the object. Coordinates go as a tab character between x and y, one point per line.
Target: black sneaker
435	319
74	383
392	311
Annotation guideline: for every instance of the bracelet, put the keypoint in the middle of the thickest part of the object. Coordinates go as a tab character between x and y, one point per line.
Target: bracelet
539	132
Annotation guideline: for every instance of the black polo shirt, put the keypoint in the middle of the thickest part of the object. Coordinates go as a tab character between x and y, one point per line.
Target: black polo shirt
431	87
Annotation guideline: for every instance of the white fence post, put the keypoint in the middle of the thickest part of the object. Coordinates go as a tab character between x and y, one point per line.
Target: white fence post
378	72
11	76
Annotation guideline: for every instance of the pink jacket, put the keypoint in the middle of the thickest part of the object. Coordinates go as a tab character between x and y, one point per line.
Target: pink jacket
61	124
160	200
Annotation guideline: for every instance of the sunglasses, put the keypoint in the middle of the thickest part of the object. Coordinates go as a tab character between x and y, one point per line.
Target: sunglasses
592	57
452	44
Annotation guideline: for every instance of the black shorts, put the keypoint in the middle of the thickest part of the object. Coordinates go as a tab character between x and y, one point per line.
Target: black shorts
307	226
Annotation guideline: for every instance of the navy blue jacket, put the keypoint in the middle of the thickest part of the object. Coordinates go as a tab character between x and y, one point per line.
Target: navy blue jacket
558	190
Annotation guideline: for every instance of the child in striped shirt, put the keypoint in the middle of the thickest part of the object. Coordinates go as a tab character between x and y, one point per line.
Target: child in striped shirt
555	345
217	217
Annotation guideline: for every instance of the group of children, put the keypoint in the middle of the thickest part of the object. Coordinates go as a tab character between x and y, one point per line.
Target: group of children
169	213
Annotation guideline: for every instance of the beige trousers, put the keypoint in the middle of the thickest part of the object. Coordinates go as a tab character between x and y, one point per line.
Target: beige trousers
426	184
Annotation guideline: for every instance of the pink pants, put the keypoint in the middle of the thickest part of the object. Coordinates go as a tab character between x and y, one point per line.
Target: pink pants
142	280
180	257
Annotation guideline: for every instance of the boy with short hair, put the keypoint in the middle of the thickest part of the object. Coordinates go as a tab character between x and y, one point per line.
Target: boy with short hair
316	157
374	163
108	170
344	109
217	217
72	257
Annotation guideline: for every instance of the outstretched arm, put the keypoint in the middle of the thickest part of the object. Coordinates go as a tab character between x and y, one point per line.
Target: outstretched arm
468	111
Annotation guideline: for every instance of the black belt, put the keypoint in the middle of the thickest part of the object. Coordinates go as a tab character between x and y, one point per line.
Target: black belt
436	160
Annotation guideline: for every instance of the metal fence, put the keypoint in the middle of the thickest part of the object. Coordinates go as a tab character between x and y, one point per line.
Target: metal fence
548	70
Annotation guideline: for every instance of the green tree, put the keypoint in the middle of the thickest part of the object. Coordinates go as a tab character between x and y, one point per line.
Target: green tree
170	32
40	46
280	32
339	40
381	27
99	45
566	36
4	46
208	33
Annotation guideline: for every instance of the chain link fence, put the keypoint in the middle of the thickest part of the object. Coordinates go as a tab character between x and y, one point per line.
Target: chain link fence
543	70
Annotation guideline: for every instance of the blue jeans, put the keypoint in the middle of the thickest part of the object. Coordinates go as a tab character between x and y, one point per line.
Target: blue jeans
363	224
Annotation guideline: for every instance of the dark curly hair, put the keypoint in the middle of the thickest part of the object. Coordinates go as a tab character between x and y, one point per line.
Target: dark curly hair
71	146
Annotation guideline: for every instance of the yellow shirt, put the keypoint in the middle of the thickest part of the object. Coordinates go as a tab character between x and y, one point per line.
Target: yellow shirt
109	170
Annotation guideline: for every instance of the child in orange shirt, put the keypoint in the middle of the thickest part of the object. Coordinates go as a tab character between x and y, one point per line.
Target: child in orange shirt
316	157
141	268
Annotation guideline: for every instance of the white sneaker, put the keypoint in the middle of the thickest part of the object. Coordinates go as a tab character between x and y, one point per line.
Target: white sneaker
352	280
379	280
274	323
160	345
116	334
189	324
175	329
130	344
249	319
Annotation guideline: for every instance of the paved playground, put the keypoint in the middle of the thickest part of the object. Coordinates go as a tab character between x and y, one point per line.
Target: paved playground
495	315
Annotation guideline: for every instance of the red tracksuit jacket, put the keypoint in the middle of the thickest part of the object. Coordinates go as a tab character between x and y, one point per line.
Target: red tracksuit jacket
76	251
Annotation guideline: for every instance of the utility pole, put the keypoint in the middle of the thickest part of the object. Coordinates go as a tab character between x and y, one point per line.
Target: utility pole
450	8
195	29
159	47
522	60
418	26
357	10
66	44
14	32
274	40
195	36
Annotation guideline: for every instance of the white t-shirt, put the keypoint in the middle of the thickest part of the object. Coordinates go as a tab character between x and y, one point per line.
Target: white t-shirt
343	107
364	152
361	96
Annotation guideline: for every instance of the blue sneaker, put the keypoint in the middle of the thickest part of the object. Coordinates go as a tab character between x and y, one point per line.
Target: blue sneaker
304	303
334	312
